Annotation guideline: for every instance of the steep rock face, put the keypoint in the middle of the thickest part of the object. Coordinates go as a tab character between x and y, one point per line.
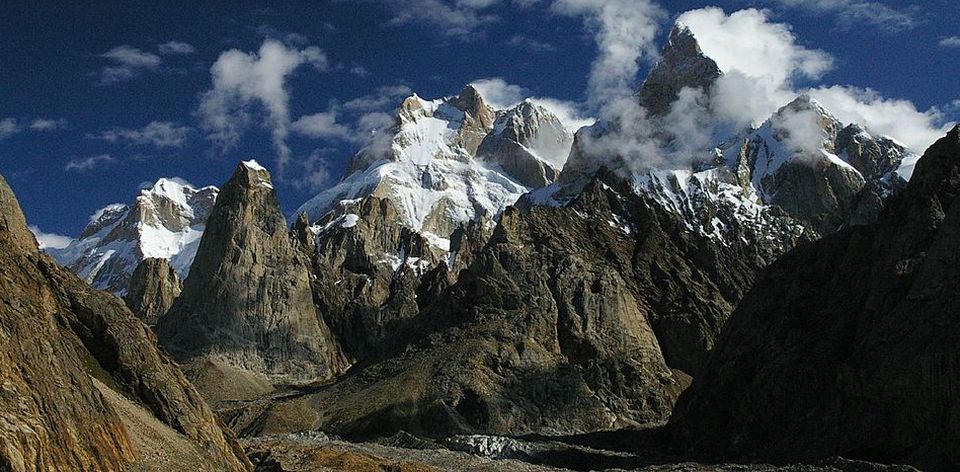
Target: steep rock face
248	298
153	287
529	143
165	221
682	64
380	240
800	175
64	343
806	162
369	269
851	341
570	319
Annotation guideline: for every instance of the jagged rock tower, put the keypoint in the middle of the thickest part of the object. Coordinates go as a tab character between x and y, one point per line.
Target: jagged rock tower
248	300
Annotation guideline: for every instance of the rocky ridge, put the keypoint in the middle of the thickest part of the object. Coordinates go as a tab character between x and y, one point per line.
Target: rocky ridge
848	339
73	358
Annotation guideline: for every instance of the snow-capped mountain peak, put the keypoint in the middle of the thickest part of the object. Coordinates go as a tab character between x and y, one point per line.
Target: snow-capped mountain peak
164	221
436	165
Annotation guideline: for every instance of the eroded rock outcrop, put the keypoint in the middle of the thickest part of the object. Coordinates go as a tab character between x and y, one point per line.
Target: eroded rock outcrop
570	319
847	345
72	358
152	289
248	300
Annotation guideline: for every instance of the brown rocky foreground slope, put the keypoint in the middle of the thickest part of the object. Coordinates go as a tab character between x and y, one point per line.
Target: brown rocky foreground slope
82	383
847	345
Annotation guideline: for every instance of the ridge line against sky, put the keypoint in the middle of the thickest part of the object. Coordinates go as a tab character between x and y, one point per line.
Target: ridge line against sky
303	87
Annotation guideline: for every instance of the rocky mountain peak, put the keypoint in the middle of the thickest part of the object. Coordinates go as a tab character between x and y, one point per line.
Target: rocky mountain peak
850	340
682	65
13	225
248	301
937	174
470	102
529	143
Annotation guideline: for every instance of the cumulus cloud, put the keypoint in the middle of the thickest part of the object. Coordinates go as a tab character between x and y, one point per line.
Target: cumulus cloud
242	80
128	62
9	127
951	42
625	35
899	119
761	61
50	240
89	163
748	42
383	98
176	48
850	13
359	71
569	113
156	133
316	173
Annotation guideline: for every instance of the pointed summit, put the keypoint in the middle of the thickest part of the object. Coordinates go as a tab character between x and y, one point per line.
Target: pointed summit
682	64
247	301
529	143
470	102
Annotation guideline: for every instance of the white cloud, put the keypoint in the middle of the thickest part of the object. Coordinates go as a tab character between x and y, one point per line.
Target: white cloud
176	47
497	93
45	124
850	13
50	240
460	19
321	125
88	163
128	62
9	127
316	173
625	35
501	95
951	42
899	119
241	80
359	71
569	113
156	133
761	61
748	42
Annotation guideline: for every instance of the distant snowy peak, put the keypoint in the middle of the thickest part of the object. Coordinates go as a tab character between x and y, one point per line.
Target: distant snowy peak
165	221
445	162
804	132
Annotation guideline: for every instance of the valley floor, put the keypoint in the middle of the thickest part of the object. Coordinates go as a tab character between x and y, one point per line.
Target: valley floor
303	452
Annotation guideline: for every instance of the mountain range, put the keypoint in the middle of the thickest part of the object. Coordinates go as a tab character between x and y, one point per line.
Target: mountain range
481	279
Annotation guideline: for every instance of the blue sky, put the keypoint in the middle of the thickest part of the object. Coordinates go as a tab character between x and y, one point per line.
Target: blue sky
97	99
